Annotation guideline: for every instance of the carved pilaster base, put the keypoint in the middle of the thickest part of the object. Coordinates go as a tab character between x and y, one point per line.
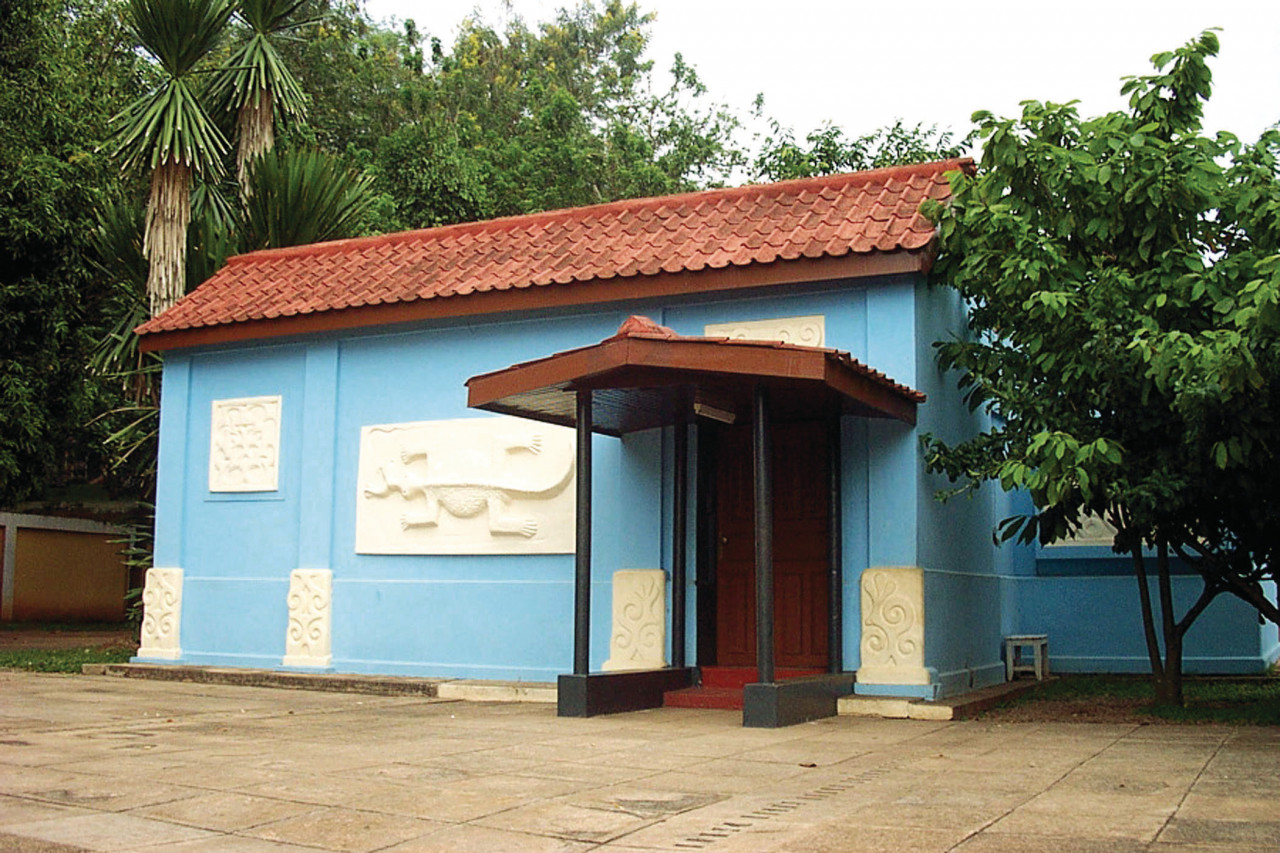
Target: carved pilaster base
161	615
893	626
308	641
639	637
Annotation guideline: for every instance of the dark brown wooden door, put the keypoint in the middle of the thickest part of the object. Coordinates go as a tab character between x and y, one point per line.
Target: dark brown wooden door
800	546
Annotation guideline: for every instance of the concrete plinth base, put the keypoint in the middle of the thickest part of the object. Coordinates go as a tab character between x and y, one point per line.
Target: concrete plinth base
796	700
614	692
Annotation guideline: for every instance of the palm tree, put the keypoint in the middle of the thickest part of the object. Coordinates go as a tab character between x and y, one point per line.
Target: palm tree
301	196
255	81
168	131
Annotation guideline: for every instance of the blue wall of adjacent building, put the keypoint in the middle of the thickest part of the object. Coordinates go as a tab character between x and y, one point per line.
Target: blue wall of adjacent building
510	617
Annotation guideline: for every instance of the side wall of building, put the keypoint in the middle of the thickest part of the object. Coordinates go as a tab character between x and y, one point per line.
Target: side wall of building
963	568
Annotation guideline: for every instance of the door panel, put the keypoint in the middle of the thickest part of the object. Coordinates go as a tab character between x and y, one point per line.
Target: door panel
800	546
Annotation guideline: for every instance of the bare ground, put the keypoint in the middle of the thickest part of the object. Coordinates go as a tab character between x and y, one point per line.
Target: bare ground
45	638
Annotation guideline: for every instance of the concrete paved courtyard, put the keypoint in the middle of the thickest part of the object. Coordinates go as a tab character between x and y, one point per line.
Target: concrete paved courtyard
96	763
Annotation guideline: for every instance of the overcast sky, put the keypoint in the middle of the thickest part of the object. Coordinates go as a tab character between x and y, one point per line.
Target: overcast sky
862	65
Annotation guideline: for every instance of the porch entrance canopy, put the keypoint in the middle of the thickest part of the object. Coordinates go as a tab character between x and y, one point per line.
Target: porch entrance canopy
637	375
647	376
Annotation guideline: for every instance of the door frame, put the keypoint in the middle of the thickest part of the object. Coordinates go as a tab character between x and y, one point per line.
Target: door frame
706	515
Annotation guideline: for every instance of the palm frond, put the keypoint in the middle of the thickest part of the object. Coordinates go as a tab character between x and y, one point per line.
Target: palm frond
116	245
254	68
179	33
301	197
273	16
169	124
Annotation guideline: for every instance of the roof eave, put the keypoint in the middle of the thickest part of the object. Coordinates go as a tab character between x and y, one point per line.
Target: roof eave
640	363
533	298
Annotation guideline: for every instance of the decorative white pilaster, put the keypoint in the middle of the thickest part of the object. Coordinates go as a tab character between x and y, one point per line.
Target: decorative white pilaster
639	636
893	626
161	614
308	640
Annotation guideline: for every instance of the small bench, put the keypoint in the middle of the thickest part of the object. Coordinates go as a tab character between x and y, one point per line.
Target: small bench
1013	646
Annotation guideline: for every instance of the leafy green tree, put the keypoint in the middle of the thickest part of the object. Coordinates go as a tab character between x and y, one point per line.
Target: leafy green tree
64	69
358	77
827	150
169	133
520	119
1124	278
429	177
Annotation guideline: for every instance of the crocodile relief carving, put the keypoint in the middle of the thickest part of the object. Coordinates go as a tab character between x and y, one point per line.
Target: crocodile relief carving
471	486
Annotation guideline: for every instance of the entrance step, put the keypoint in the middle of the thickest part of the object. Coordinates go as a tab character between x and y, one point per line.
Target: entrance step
725	698
738	676
722	687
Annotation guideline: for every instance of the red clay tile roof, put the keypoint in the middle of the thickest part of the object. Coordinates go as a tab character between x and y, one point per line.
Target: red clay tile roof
863	213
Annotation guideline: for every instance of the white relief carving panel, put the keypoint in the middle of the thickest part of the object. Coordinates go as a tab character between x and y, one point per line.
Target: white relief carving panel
1093	530
308	642
893	626
244	445
471	486
161	614
639	636
808	331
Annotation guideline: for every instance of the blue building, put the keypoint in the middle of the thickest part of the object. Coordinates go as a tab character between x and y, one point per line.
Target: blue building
336	493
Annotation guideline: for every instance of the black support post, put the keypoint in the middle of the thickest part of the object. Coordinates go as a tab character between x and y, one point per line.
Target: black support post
835	588
582	561
679	532
762	453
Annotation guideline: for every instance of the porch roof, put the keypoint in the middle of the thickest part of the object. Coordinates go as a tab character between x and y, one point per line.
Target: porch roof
638	376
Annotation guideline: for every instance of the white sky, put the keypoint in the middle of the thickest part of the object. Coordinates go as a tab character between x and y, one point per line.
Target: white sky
863	64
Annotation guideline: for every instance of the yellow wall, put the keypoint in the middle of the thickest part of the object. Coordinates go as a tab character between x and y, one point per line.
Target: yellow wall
68	576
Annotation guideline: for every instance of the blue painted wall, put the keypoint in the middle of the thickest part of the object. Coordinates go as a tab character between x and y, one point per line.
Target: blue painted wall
461	616
964	599
511	617
1095	625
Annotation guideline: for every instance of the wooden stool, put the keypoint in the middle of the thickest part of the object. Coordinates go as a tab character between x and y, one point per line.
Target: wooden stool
1013	646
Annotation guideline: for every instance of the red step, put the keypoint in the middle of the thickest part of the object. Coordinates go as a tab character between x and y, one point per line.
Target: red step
727	698
737	676
722	687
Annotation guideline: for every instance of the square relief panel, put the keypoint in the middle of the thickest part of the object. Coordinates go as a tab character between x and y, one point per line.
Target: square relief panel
469	486
244	445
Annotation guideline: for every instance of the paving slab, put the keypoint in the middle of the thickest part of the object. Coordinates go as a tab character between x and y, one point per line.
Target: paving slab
128	764
108	832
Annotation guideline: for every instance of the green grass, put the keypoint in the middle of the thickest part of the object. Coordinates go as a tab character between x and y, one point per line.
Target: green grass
61	660
1242	701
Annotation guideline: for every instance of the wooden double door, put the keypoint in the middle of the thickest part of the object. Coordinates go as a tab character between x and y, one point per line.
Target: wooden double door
801	545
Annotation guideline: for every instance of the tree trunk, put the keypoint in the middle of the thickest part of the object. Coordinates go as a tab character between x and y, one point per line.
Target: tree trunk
256	132
1148	615
1169	686
164	242
1165	647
